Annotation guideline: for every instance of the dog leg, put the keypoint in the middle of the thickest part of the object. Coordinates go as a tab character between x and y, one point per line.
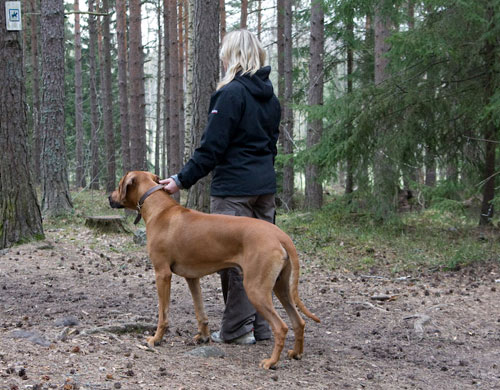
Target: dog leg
163	281
261	299
282	291
203	335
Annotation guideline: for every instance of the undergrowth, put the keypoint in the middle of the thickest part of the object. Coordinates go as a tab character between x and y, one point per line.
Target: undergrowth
341	236
89	203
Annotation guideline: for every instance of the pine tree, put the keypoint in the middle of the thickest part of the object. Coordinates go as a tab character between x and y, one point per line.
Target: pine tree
287	119
159	79
174	157
94	118
314	189
37	145
123	93
56	197
385	179
20	217
205	75
137	95
80	171
107	99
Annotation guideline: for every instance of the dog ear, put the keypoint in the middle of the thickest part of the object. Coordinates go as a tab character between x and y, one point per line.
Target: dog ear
127	184
156	179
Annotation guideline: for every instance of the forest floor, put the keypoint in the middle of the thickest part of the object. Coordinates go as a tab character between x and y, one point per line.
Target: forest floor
75	310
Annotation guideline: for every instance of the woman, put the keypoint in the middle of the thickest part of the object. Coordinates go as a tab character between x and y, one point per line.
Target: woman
239	146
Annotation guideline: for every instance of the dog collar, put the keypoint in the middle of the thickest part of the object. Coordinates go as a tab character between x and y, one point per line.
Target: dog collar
143	198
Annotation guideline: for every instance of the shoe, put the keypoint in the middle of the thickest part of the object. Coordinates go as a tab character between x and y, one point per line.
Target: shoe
246	339
215	337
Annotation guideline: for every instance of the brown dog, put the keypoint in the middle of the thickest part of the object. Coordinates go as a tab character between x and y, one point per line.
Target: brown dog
193	244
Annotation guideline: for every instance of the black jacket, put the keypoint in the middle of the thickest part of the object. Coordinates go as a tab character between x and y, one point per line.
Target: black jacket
239	141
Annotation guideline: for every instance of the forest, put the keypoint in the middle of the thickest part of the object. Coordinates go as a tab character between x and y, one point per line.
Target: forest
389	103
387	165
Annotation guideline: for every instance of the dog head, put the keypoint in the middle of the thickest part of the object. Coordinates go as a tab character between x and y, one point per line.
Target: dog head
130	189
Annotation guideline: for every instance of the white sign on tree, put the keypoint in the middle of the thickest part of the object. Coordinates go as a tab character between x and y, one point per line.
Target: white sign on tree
13	15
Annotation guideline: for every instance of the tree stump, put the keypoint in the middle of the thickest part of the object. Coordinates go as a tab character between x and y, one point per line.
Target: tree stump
107	223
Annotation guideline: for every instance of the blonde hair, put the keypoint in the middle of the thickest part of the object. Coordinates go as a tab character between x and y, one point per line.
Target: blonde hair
242	52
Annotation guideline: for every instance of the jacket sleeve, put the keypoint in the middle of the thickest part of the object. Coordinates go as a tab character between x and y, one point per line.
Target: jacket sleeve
226	109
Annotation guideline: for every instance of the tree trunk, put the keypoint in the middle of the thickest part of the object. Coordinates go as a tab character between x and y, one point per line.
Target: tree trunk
349	180
314	189
80	171
94	118
137	94
280	40
166	89
205	75
411	14
188	37
430	167
223	27
107	100
487	208
280	32
56	197
159	37
173	158
490	129
244	14
259	19
385	185
173	161
382	47
20	217
187	28
121	38
37	145
182	127
287	139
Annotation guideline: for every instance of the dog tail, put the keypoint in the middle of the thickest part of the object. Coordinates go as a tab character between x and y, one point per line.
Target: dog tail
294	260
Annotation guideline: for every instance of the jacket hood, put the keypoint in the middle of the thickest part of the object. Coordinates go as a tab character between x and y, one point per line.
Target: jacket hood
259	84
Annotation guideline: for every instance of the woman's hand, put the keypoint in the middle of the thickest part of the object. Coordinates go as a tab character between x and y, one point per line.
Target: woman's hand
170	185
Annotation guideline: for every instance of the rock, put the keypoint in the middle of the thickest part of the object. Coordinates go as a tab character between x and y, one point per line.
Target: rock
64	335
67	321
140	237
207	351
34	337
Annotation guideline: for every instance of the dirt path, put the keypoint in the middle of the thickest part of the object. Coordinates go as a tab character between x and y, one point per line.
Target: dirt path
435	331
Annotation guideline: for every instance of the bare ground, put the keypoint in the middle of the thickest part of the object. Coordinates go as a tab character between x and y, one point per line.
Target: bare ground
59	298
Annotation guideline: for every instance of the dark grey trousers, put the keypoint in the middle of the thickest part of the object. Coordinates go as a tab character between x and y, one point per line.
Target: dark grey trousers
240	317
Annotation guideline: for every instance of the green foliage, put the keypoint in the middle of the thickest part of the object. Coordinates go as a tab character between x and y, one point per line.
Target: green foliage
446	196
434	102
341	236
442	92
85	203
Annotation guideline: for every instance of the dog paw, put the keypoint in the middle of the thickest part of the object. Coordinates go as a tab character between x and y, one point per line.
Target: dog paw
294	355
152	342
200	339
267	364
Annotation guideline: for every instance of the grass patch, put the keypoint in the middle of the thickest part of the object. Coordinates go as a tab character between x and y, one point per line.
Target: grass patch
444	238
339	237
89	203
